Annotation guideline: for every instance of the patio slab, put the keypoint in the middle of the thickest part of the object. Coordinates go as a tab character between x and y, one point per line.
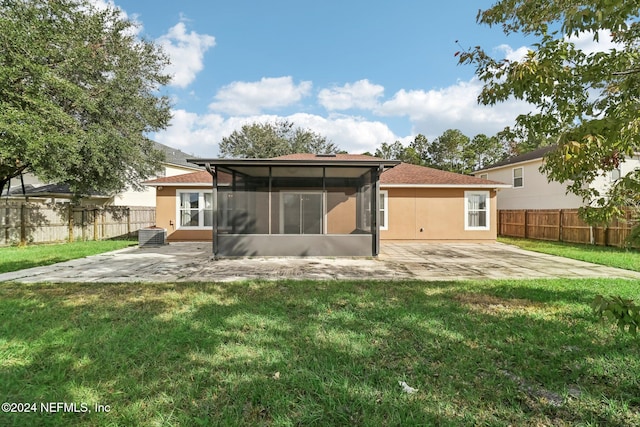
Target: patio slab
189	261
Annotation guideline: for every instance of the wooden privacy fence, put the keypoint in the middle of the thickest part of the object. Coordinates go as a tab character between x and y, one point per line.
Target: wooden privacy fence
25	223
561	225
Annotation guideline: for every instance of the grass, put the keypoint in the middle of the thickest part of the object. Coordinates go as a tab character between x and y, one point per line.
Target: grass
628	259
319	353
15	258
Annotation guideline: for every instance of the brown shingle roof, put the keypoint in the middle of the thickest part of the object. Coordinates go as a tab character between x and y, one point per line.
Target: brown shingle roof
201	177
409	174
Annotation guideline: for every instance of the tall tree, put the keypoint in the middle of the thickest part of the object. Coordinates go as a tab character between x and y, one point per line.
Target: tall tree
483	150
414	153
265	140
588	102
446	152
78	94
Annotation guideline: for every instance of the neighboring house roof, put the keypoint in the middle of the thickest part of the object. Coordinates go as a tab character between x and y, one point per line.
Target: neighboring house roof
525	157
51	190
402	175
176	157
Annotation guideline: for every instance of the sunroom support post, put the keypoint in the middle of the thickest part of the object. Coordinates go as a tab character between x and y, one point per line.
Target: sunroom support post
375	210
214	210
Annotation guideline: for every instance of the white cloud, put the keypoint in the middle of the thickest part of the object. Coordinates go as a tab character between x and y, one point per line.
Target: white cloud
429	112
200	134
186	52
513	55
588	45
454	107
361	94
250	98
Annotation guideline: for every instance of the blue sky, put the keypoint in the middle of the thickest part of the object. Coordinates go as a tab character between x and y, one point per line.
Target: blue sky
359	72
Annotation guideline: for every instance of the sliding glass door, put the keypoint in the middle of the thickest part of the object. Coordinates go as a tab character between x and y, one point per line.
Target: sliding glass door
301	212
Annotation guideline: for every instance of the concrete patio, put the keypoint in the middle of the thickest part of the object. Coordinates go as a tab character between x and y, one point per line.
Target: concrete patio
189	261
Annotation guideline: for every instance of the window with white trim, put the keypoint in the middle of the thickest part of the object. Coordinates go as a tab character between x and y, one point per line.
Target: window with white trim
518	177
195	209
476	210
615	174
384	209
484	176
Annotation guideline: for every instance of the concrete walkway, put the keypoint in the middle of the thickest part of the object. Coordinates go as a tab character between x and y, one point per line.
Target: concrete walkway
191	262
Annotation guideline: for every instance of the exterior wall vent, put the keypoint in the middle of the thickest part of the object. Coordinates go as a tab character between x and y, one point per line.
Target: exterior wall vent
152	236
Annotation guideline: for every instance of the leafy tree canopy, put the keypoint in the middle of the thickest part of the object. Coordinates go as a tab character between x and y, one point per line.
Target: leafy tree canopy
452	151
266	140
78	93
587	102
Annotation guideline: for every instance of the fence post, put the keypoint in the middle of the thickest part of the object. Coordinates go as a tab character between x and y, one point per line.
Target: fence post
104	225
23	224
95	223
526	224
560	219
70	223
128	222
84	224
7	218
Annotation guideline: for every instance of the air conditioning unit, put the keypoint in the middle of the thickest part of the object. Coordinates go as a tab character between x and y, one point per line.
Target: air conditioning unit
152	236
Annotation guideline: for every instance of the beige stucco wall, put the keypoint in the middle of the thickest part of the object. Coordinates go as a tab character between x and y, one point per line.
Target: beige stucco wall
166	205
433	214
415	214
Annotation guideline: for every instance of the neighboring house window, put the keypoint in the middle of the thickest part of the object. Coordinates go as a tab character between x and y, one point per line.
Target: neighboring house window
484	176
518	177
195	209
616	174
476	210
384	210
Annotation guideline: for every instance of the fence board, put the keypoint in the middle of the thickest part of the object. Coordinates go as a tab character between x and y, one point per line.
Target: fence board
563	225
25	223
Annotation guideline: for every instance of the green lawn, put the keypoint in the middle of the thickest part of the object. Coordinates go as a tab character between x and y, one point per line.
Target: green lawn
319	353
15	258
628	259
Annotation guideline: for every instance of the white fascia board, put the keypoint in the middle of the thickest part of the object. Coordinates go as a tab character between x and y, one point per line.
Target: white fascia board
510	165
445	186
184	184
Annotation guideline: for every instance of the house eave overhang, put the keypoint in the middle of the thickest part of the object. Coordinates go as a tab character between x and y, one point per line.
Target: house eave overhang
322	162
179	184
491	186
510	165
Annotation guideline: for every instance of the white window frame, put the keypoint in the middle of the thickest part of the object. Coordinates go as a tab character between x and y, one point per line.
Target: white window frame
484	176
487	196
513	177
612	175
384	213
201	209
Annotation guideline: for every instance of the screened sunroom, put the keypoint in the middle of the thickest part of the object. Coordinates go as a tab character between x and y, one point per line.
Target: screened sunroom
322	205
